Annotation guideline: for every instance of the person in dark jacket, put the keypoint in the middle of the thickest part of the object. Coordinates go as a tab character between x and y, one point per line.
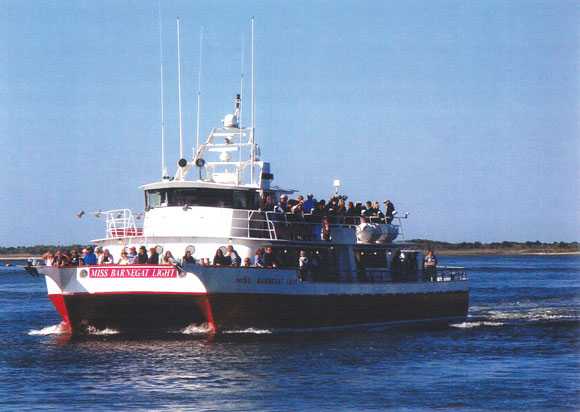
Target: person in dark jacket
219	259
142	257
390	210
153	257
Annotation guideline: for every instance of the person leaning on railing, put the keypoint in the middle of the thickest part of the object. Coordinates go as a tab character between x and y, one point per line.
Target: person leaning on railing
430	264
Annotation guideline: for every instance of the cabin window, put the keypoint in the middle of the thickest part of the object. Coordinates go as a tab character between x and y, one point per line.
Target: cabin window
153	199
235	199
370	258
240	200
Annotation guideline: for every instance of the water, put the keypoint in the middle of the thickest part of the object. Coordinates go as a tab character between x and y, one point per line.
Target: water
519	350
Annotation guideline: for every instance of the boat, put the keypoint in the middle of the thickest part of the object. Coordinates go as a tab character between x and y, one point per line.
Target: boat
317	268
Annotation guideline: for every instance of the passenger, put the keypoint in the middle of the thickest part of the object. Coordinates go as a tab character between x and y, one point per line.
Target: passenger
390	210
297	208
246	262
83	254
66	255
90	258
168	258
132	255
303	265
341	210
99	254
153	256
351	210
59	259
124	259
282	206
258	259
75	259
142	257
319	207
367	211
377	212
219	259
268	258
430	260
233	256
308	204
332	206
106	258
46	259
188	258
268	205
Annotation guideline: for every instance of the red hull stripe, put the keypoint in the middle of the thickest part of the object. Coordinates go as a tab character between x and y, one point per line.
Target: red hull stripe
59	304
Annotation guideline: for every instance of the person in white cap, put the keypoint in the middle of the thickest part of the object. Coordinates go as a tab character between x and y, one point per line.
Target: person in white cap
282	206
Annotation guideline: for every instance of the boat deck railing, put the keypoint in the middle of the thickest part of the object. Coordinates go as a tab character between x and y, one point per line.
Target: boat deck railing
295	227
379	275
121	223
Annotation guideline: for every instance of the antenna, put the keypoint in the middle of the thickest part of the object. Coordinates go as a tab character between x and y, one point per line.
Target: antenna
179	86
199	88
163	170
240	120
252	117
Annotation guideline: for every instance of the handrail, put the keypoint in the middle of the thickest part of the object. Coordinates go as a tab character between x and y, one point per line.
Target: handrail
121	223
291	226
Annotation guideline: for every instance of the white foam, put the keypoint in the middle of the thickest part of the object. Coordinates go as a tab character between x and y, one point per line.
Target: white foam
59	329
533	315
468	325
251	331
94	331
194	329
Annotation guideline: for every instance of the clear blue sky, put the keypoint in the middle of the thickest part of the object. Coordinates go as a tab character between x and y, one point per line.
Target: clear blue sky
464	113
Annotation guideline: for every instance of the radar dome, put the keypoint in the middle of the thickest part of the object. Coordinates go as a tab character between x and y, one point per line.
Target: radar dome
230	121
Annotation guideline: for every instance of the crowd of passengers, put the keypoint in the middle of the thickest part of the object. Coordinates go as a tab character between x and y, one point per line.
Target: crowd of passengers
100	256
336	206
262	258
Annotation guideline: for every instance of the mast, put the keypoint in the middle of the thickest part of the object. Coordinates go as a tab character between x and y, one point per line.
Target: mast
241	116
199	89
252	117
179	86
163	170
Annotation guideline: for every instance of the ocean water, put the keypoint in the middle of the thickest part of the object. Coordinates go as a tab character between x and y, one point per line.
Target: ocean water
519	350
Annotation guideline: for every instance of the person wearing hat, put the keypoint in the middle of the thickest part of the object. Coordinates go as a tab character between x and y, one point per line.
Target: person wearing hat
132	254
282	206
390	210
308	204
90	258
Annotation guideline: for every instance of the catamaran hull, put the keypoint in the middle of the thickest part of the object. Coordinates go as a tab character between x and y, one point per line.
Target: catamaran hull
153	312
165	299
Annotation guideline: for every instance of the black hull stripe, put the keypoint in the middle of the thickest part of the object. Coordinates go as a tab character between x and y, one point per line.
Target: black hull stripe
164	312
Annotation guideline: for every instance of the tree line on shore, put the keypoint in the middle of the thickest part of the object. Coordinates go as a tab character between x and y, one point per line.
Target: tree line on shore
438	246
499	247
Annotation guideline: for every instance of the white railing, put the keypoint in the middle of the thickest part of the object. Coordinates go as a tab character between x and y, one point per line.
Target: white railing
121	223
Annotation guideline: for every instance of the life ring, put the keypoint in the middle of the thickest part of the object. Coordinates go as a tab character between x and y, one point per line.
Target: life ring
325	226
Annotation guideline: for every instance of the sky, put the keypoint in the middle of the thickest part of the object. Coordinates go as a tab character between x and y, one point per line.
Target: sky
463	113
